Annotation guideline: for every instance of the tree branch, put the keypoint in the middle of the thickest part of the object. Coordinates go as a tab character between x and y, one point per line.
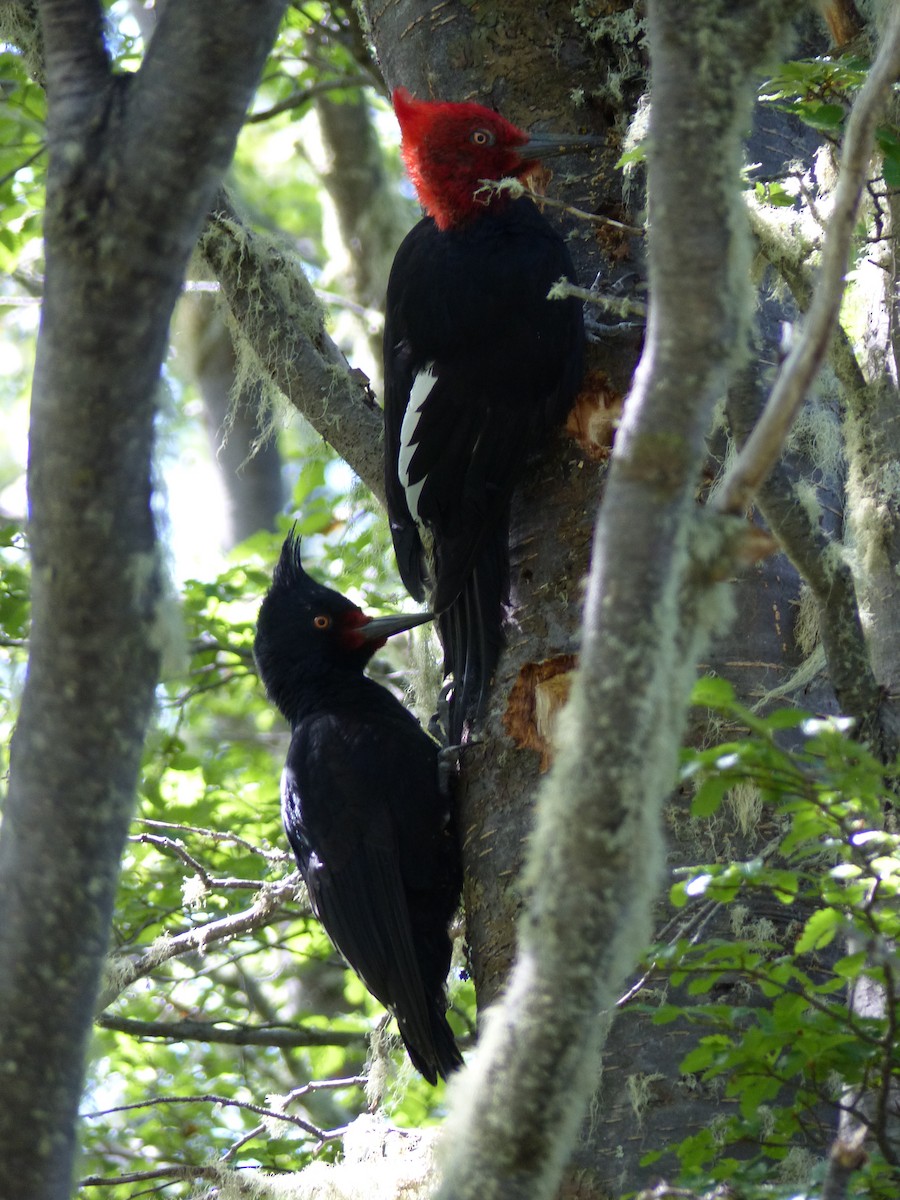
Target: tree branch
76	64
217	835
210	882
819	561
765	444
785	247
274	305
190	56
306	96
175	1173
224	1102
289	1037
846	1156
121	974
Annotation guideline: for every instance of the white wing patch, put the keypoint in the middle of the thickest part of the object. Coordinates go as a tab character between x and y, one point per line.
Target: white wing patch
419	393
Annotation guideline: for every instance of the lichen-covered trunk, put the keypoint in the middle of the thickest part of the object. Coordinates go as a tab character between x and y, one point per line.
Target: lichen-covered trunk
123	211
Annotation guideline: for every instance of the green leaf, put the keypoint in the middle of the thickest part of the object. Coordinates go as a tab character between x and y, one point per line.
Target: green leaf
712	692
785	884
819	931
891	167
846	871
786	718
706	1056
774	193
709	796
636	154
827	117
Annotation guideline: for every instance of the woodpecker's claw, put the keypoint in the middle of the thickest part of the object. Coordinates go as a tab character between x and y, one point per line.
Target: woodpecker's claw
449	766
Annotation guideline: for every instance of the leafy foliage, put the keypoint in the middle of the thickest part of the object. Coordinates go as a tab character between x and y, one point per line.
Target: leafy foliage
817	90
820	92
224	996
22	159
814	1039
15	609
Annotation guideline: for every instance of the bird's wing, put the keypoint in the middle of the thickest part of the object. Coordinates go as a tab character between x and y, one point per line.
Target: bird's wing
478	365
344	802
462	462
398	381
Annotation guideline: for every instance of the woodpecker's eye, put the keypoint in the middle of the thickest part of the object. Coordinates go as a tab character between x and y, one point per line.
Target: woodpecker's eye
322	622
481	137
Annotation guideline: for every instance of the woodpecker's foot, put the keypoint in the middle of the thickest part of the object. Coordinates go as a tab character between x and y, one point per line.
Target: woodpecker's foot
599	329
440	719
449	766
437	725
617	298
620	286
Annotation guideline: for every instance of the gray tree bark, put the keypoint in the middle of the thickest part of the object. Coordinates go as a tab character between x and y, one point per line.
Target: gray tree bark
133	166
597	855
282	323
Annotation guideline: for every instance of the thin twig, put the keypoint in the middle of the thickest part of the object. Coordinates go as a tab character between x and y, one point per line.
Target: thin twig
269	899
20	301
516	188
764	446
282	1037
174	847
4	179
684	925
622	306
581	214
209	1098
350	82
315	1085
215	835
176	1173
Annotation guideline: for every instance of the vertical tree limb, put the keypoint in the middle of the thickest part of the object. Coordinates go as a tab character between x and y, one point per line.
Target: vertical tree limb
596	858
829	577
124	207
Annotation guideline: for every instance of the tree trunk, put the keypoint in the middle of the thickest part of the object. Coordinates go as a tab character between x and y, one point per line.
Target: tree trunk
249	464
370	215
133	166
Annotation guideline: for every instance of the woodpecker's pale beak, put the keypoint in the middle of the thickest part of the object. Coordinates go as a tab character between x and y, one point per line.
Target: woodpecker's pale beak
385	627
543	145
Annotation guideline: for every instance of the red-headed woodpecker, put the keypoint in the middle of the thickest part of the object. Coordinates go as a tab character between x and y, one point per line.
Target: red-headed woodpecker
479	367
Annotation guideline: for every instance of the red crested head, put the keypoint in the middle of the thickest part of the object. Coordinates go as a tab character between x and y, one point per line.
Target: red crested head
449	149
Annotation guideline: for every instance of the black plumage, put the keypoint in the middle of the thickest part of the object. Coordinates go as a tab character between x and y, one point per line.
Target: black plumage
362	806
479	367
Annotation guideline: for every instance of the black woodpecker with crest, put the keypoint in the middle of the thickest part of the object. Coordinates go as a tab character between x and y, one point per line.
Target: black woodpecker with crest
371	829
479	367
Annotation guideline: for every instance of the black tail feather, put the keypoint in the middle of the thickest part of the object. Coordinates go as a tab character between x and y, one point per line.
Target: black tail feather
442	1056
471	630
